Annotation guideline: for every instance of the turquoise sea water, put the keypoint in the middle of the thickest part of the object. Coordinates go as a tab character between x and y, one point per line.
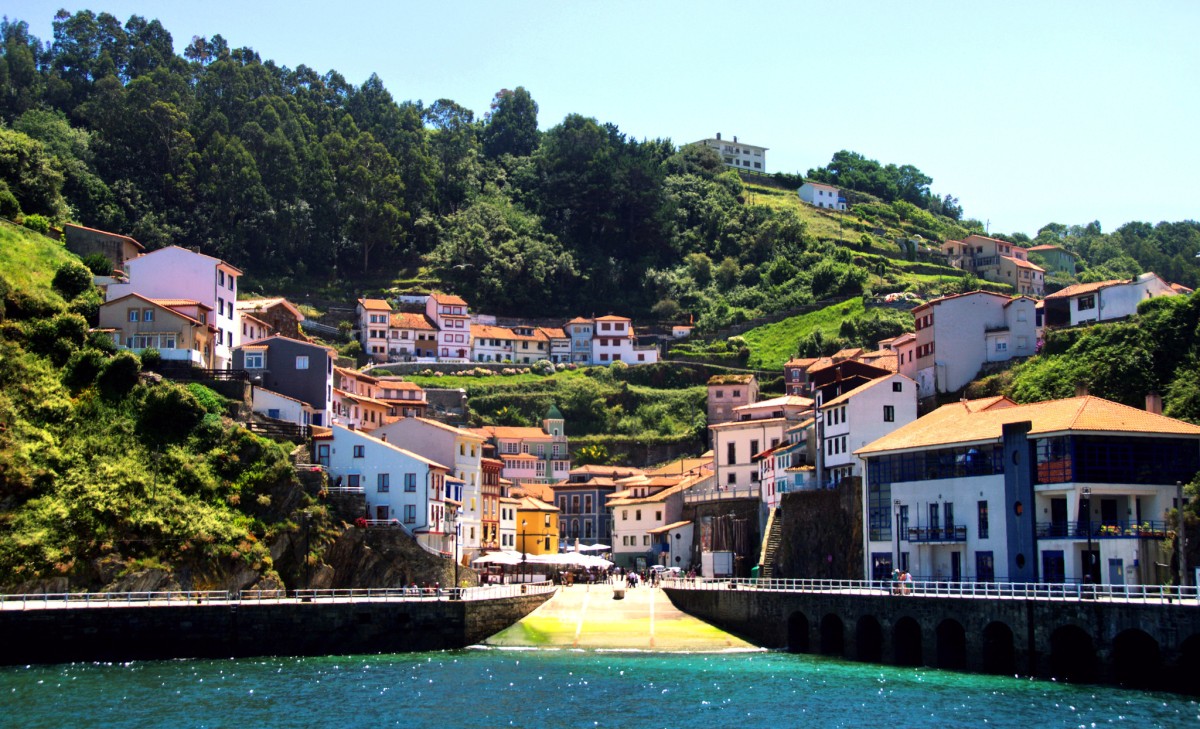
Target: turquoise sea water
492	688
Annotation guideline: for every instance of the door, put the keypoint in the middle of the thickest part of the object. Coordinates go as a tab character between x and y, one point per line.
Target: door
1090	566
956	566
1116	571
949	519
1053	566
323	455
1108	511
1058	517
985	567
381	512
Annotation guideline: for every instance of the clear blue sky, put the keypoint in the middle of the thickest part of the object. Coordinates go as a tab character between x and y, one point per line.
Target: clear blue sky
1029	112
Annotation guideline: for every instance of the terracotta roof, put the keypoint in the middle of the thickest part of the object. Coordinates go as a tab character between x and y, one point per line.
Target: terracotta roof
975	421
105	232
607	470
683	465
180	302
883	359
1022	263
410	320
448	299
928	304
443	426
801	362
716	380
532	503
580	320
355	374
553	332
159	303
375	304
668	527
262	304
360	398
487	331
520	457
391	384
512	431
863	388
612	317
660	496
1084	288
1046	248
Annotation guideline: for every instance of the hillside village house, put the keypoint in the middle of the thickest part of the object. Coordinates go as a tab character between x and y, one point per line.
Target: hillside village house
531	455
178	273
579	330
858	417
1056	258
355	400
400	486
451	316
821	195
759	427
299	370
459	449
489	504
582	501
278	314
537	526
990	490
727	392
737	154
411	335
997	261
117	248
373	318
508	522
177	328
1102	300
253	328
613	341
795	375
956	335
645	504
406	399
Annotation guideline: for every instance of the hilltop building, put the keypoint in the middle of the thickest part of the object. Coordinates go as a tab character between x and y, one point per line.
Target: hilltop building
738	155
997	261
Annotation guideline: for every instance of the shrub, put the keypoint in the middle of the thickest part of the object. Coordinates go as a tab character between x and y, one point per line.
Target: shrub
37	223
71	279
83	367
9	207
98	264
169	413
543	367
151	358
119	375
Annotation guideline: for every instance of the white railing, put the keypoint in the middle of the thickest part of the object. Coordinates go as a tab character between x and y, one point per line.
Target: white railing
1163	594
64	600
693	495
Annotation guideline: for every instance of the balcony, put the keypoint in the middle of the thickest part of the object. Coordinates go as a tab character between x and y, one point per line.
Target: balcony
1109	530
929	535
699	496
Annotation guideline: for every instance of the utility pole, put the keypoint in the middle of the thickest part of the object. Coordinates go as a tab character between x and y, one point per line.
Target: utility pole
1181	535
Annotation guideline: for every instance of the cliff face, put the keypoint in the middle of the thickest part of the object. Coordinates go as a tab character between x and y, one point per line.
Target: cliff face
386	557
821	534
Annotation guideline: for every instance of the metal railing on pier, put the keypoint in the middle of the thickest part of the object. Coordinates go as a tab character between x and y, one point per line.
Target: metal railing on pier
71	600
1158	594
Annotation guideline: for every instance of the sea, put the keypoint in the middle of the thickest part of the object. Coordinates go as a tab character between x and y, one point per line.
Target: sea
489	687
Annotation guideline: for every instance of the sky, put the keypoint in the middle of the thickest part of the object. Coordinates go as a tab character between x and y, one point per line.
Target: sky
1028	112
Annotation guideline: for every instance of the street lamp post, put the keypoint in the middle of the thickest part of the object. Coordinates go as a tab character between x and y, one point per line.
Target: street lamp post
1087	506
457	529
524	553
896	566
1181	534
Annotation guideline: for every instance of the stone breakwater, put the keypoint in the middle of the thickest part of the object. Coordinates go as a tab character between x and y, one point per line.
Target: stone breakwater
246	629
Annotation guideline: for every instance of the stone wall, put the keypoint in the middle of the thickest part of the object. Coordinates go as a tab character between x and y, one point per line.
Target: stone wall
821	534
741	509
246	629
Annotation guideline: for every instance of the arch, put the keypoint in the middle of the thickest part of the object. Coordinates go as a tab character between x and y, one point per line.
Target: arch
999	656
906	643
798	633
868	639
833	636
1136	659
1072	654
1187	666
951	645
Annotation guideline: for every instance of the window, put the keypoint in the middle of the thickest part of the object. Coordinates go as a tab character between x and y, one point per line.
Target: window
889	413
410	513
1001	345
637	514
753	448
358	451
983	520
1084	303
253	360
658	515
737	394
301	362
645	540
383	483
731	479
133	315
624	514
897	387
354	480
731	453
410	482
587	504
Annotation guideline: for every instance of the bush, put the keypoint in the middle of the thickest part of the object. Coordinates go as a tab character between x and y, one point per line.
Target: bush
169	413
72	279
98	264
543	367
151	358
37	223
9	207
119	375
83	367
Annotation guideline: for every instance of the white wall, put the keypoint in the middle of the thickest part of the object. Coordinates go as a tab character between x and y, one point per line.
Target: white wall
288	409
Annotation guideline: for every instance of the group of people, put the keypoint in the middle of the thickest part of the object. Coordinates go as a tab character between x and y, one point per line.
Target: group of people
901	582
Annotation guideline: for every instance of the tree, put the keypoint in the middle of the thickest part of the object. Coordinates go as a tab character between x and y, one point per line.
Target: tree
34	177
511	124
72	279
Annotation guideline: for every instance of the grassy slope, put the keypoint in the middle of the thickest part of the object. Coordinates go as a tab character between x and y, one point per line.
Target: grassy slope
28	260
772	345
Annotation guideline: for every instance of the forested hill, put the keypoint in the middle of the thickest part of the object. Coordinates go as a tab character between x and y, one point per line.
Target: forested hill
307	179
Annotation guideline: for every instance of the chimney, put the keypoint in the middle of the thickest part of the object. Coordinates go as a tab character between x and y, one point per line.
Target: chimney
735	137
1081	390
718	136
1154	403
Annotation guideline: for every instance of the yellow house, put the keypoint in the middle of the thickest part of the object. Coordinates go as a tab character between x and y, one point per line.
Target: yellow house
178	328
537	526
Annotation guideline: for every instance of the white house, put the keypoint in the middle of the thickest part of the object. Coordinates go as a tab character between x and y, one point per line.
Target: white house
738	154
1103	300
759	427
863	415
448	445
821	195
400	486
178	273
646	504
373	317
281	407
452	318
956	335
508	522
1064	490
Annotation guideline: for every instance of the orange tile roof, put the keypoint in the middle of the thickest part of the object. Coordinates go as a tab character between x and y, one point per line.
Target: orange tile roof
512	431
801	362
553	332
487	331
974	421
612	317
410	320
448	299
580	320
939	300
105	232
375	304
1046	248
1084	288
1022	263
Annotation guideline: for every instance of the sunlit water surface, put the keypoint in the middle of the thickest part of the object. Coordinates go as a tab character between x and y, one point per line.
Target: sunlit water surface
487	687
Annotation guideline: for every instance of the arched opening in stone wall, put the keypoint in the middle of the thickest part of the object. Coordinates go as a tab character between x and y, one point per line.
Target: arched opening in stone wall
999	656
1136	660
1072	654
951	645
868	639
833	636
798	633
906	642
1188	666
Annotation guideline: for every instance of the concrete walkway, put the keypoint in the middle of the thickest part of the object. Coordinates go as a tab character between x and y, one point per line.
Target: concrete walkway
587	616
